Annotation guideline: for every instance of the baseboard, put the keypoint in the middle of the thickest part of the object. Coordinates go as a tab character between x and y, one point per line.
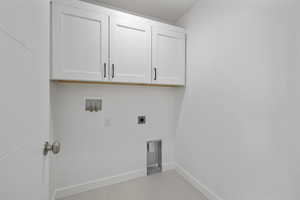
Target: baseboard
197	184
76	189
168	166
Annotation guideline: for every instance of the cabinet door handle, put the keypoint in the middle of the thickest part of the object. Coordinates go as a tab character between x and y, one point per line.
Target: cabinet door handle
105	70
155	73
113	71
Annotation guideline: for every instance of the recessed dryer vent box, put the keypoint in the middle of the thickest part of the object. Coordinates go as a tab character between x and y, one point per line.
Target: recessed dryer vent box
154	157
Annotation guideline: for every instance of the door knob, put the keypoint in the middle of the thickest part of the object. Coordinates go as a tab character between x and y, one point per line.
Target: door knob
55	147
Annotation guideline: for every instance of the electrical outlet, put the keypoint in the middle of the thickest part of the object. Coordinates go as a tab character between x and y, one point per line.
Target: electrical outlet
141	119
107	122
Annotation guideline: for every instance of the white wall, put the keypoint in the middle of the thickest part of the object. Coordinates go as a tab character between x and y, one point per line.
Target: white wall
91	148
167	10
239	125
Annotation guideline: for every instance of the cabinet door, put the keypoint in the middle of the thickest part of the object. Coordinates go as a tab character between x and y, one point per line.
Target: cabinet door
130	52
80	44
168	54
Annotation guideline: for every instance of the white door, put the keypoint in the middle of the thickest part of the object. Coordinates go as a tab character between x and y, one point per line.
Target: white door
168	54
130	52
80	44
24	103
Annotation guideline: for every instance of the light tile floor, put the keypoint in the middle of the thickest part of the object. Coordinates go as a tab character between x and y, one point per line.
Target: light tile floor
163	186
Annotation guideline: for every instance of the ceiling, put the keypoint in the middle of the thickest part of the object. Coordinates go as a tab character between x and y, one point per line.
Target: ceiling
167	10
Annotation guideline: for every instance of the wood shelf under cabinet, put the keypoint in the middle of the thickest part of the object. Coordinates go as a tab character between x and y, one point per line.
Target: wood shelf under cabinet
116	83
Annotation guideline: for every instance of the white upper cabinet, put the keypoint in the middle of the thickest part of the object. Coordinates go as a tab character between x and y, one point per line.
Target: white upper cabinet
80	44
168	57
93	43
130	52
